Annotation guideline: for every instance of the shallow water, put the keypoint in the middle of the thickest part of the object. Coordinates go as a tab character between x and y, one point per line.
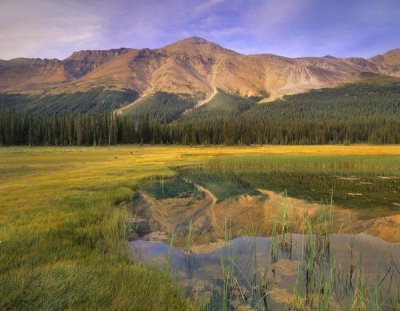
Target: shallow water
357	182
353	182
201	273
221	213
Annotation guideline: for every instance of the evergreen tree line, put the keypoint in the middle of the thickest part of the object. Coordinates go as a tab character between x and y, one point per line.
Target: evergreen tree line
109	129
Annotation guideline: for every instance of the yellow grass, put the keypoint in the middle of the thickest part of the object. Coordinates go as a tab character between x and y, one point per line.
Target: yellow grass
62	231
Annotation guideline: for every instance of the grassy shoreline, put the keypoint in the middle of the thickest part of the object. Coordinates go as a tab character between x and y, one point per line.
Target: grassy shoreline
63	231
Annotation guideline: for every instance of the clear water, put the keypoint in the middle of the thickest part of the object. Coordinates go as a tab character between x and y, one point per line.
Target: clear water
201	274
351	269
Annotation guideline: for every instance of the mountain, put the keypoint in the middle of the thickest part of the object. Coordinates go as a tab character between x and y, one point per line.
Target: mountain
82	62
192	67
388	63
22	74
26	74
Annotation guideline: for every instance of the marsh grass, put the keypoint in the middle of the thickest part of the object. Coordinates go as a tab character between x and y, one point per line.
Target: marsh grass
320	284
64	223
65	217
189	238
360	182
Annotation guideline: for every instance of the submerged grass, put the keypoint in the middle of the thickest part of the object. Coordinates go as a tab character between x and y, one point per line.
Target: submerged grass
64	221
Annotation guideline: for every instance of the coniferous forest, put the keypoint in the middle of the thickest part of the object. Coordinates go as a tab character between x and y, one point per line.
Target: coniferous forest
108	129
355	113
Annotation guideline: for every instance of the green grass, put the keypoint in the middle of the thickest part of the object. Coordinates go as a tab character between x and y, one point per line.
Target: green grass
162	188
376	178
222	185
63	231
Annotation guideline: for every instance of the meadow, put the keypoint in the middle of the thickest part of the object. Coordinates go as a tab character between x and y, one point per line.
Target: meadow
66	218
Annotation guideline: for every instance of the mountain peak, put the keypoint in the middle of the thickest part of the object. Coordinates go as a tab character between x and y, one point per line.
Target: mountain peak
195	42
197	46
194	66
389	62
393	51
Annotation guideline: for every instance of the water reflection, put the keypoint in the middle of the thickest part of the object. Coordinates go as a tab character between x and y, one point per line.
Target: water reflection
204	272
267	232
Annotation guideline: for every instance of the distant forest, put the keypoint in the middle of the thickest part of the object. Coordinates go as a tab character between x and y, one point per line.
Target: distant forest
356	113
109	129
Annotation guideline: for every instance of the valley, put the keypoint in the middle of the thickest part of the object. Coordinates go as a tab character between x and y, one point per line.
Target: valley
200	155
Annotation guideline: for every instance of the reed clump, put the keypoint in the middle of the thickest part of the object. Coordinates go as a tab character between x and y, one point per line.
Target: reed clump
318	281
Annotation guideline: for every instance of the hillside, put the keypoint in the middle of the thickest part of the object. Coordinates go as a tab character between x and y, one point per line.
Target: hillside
90	101
367	111
194	67
388	63
222	104
166	107
362	112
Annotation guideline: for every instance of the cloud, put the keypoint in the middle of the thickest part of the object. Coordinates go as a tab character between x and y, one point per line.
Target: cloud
268	15
206	5
49	28
43	27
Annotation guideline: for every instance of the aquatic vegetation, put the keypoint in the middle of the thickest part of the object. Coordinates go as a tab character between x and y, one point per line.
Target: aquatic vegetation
299	263
162	188
357	182
66	218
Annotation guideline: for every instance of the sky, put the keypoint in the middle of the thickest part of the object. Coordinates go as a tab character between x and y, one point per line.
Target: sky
56	28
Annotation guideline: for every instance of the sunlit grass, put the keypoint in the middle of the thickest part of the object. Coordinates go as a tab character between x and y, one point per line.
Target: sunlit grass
63	229
63	234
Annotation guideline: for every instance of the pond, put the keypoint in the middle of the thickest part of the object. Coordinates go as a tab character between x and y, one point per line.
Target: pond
276	232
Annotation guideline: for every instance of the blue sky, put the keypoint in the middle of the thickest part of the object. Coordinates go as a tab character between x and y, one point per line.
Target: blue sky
56	28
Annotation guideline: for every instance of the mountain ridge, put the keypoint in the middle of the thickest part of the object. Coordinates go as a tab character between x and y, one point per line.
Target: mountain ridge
194	40
193	66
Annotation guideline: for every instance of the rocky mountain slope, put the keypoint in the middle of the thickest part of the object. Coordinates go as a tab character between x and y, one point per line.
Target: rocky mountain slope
388	63
192	66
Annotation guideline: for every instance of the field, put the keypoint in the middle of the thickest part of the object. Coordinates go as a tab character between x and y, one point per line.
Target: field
65	222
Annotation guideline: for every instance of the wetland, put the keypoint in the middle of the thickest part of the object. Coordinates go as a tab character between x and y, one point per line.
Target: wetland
276	232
